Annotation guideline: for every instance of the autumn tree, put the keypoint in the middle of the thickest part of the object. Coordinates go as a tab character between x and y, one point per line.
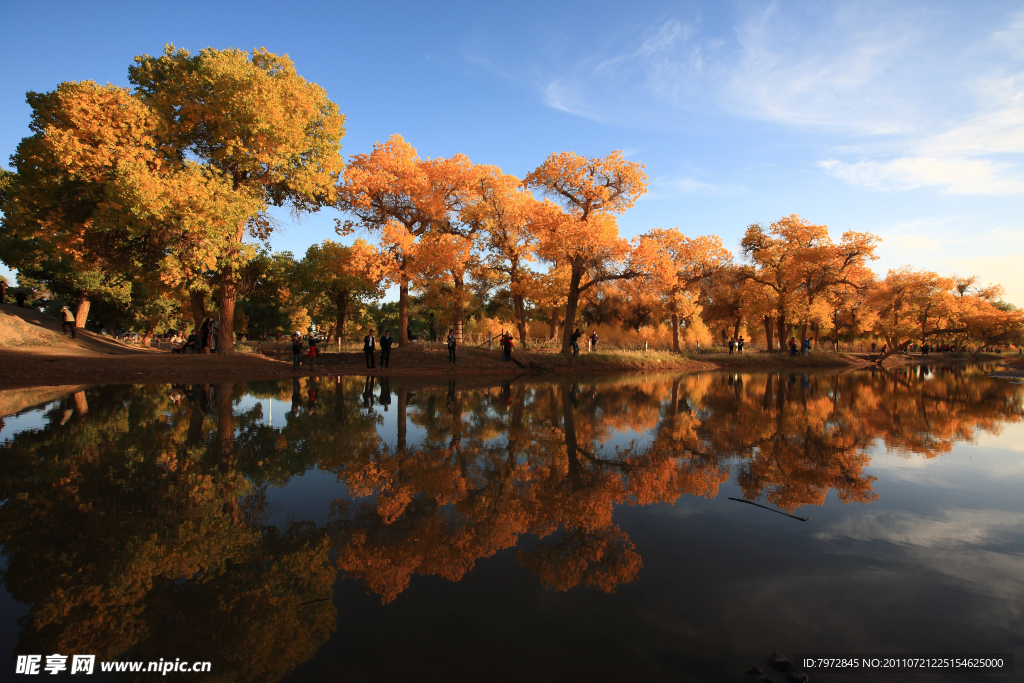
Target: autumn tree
797	264
343	274
508	213
393	192
688	264
252	120
583	234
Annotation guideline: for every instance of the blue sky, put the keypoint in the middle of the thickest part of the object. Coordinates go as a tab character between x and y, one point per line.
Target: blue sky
905	119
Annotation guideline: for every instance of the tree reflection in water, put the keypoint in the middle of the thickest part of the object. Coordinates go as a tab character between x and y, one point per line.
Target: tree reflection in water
135	523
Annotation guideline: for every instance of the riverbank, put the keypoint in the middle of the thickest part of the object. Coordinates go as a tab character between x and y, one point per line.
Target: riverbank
33	352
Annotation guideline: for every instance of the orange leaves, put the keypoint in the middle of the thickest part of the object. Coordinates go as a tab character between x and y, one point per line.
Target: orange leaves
585	186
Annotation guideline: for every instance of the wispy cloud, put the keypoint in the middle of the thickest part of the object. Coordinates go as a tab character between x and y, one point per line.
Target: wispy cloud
663	187
917	101
952	174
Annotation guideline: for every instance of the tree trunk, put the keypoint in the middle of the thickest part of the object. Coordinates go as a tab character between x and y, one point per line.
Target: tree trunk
803	333
893	349
403	311
226	326
675	332
570	309
82	313
403	408
109	322
517	301
342	302
198	301
816	331
459	313
781	330
569	419
736	329
148	335
769	331
553	322
225	420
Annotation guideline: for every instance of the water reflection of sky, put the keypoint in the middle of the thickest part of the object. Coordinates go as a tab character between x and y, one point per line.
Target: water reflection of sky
935	563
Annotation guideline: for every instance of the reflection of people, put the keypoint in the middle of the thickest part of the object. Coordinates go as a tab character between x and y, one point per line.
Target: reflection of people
385	391
369	346
385	349
451	346
368	392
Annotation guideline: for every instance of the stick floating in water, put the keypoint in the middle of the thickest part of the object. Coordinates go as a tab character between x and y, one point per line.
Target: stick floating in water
750	502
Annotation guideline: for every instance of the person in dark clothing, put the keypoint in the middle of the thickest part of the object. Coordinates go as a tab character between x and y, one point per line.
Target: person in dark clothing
296	350
732	346
19	297
451	346
204	337
314	351
385	349
190	343
593	341
369	346
739	345
67	321
506	347
576	342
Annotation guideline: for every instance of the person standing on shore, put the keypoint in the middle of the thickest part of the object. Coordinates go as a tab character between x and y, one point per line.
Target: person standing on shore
739	345
314	351
296	349
732	346
67	321
576	342
369	346
593	341
385	349
451	346
204	336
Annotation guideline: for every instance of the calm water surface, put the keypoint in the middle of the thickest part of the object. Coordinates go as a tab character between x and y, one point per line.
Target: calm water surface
361	530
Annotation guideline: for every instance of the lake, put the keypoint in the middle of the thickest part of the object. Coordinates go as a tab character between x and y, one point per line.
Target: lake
362	529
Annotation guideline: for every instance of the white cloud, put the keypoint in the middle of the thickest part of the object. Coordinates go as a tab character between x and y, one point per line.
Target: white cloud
920	100
954	175
663	187
951	529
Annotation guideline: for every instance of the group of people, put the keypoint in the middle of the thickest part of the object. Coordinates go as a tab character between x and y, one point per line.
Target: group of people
577	333
736	345
370	348
805	346
298	353
507	344
202	340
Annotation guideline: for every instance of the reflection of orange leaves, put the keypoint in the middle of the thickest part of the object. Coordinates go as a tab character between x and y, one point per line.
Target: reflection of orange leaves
391	503
603	559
